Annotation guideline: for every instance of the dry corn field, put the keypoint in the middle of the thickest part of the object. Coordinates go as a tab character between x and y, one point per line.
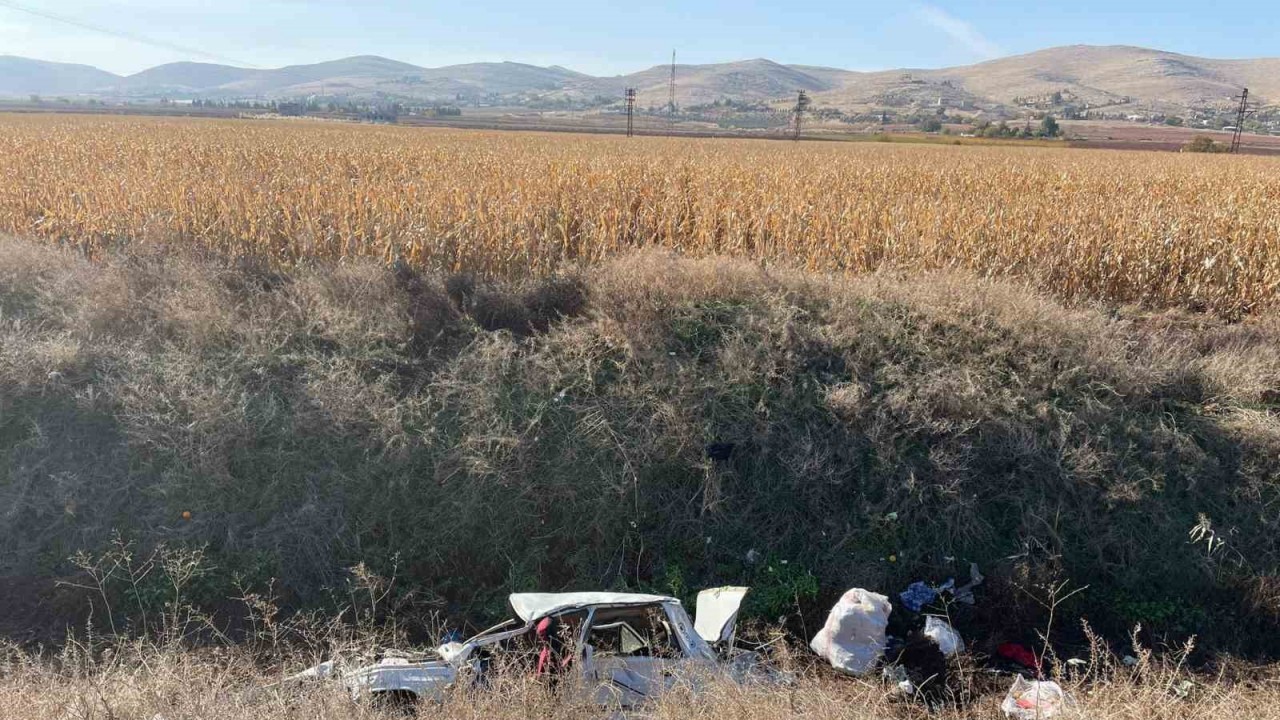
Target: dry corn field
1130	227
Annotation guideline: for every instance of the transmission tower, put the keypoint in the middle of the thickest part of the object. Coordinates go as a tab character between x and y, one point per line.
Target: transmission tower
671	97
1243	112
802	104
631	111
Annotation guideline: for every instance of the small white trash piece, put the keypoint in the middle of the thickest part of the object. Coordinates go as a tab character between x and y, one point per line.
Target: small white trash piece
1035	700
853	639
943	635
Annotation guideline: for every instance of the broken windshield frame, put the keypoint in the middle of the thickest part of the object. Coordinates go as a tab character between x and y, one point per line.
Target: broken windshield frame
500	627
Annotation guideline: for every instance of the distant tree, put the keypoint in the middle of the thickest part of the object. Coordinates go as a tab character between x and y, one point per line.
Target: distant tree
1174	121
35	98
931	125
1049	127
1057	98
1203	144
383	113
1001	130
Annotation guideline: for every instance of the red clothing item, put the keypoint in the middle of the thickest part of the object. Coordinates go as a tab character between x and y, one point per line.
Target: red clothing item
551	657
1020	654
543	633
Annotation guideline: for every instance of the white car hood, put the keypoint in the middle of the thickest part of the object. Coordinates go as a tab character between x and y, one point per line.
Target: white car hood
717	616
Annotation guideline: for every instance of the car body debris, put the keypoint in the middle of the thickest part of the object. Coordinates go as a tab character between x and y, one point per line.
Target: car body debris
622	649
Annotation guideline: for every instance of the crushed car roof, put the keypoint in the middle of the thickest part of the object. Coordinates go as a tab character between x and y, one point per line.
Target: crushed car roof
532	606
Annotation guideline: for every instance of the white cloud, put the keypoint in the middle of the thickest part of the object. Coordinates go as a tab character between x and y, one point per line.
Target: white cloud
959	31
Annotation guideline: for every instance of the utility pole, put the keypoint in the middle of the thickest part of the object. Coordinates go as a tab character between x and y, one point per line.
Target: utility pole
1243	112
671	97
802	104
631	111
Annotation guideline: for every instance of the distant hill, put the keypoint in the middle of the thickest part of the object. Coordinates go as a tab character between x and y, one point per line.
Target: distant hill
1100	74
505	78
747	80
362	77
1111	76
185	77
22	76
1081	75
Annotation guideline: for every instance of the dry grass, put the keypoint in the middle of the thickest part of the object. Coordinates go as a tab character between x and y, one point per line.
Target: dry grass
1163	230
432	426
141	682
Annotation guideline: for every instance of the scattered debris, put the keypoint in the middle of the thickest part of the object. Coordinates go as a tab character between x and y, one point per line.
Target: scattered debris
1034	700
853	639
945	636
917	595
897	676
926	667
920	594
1129	661
753	556
1021	655
1183	689
964	594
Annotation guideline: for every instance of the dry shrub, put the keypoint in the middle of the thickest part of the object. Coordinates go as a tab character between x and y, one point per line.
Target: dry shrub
348	412
497	310
554	299
148	682
356	305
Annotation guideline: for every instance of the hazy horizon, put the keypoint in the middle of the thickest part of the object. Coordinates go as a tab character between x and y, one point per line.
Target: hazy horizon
603	39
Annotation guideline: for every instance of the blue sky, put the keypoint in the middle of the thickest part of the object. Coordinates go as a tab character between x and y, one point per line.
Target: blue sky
611	37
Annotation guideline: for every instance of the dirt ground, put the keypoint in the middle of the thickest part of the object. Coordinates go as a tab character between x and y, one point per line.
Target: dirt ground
1137	136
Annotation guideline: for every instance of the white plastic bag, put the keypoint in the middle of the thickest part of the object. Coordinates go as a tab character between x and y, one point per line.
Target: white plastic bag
943	635
1034	700
853	639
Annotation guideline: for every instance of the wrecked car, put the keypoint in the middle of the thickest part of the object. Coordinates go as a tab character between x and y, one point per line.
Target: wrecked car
622	648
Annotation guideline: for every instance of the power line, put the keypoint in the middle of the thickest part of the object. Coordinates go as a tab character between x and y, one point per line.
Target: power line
671	97
631	111
123	34
1243	112
802	104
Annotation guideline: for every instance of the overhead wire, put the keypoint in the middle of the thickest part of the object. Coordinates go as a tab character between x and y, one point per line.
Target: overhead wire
123	34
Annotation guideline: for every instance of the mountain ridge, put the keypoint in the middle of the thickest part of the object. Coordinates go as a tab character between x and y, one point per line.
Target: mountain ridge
1088	75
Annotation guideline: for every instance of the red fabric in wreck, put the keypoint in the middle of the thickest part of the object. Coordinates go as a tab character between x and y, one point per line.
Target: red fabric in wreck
1020	654
544	655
